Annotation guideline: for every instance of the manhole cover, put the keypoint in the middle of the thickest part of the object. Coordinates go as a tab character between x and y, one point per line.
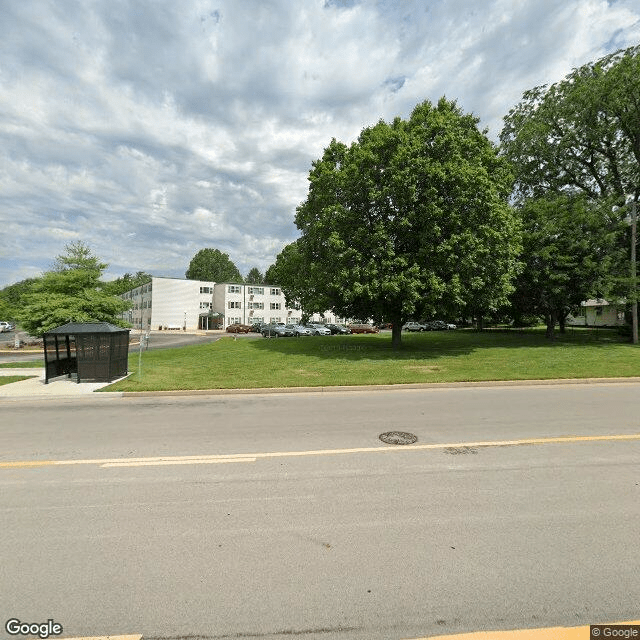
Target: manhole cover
398	437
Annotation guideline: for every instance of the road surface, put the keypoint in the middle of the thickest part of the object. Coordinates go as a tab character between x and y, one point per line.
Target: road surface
283	516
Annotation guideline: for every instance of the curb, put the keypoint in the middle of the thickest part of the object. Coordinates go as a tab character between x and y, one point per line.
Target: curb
377	387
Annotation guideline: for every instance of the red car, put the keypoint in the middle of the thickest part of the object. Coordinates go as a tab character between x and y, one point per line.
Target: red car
363	328
238	328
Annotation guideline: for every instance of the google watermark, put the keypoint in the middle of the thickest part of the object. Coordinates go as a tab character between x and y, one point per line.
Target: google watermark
15	627
626	631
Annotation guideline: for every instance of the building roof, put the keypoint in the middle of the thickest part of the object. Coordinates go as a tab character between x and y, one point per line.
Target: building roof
86	327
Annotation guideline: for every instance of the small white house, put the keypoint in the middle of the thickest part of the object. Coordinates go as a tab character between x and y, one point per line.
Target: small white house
597	313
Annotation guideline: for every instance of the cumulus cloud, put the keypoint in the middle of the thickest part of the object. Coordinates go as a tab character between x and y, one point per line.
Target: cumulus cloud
151	130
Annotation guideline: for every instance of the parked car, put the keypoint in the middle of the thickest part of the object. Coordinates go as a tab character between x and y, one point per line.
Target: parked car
414	326
338	329
256	327
299	330
363	328
5	327
276	331
451	326
437	325
319	329
238	328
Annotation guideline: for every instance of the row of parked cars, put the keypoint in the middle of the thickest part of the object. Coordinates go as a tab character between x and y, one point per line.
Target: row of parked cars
281	330
434	325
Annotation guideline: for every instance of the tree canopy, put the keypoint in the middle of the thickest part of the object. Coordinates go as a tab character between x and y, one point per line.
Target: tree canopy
126	283
254	277
71	292
582	133
214	266
569	255
410	220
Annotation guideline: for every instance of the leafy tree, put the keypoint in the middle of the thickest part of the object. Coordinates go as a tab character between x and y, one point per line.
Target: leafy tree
582	133
126	283
71	292
78	256
254	277
569	250
11	297
214	266
410	220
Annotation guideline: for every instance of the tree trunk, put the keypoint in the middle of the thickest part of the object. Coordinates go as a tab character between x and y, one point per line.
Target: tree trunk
480	323
551	319
396	333
562	320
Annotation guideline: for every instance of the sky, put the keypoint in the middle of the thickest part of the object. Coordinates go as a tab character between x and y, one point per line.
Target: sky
149	130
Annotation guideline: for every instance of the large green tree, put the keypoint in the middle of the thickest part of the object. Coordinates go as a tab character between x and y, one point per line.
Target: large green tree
582	133
214	266
71	292
569	254
126	283
410	220
254	276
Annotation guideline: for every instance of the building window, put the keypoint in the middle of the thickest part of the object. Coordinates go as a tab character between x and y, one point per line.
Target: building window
275	305
206	305
258	319
598	311
233	304
206	290
234	321
275	292
275	320
233	288
256	305
257	290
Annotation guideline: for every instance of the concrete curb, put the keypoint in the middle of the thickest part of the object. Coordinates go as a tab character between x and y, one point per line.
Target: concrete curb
378	387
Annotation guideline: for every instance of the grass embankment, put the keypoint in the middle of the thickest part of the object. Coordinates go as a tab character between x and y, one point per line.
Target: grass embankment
26	364
369	359
10	379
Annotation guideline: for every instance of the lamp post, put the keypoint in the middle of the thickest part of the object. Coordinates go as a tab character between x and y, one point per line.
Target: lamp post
634	300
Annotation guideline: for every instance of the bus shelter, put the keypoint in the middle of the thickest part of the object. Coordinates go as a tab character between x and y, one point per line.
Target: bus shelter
94	351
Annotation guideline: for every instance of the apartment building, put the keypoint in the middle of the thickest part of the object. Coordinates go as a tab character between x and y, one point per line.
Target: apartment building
169	303
172	303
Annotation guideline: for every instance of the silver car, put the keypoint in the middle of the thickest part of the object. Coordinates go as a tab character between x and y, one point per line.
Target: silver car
319	330
299	330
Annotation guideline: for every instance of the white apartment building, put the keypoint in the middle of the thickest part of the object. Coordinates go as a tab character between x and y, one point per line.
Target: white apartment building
250	303
173	303
168	303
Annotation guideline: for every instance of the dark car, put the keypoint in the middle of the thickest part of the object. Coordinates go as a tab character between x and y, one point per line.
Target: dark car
337	329
276	331
363	328
436	325
236	327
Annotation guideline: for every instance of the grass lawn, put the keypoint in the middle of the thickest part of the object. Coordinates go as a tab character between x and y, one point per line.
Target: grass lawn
443	356
10	379
26	364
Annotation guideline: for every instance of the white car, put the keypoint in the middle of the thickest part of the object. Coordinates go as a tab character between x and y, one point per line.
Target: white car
6	327
319	329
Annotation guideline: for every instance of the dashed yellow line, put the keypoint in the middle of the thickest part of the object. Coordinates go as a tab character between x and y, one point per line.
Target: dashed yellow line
549	633
252	457
134	637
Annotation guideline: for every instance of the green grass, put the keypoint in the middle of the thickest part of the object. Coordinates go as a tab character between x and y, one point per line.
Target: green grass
10	379
26	364
369	359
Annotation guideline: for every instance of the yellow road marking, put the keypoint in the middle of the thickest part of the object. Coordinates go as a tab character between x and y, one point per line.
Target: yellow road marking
136	637
549	633
251	457
153	463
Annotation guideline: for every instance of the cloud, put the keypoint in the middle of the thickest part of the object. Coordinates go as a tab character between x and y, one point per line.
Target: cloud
151	130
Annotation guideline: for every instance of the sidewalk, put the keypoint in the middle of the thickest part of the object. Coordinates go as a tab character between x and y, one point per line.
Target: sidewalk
34	388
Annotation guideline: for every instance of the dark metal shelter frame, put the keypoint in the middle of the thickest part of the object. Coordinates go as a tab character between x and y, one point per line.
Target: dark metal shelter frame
95	351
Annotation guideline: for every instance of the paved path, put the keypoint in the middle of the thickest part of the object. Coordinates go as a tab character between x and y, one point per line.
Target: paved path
61	387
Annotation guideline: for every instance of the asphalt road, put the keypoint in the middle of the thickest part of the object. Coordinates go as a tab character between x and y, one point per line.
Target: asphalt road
284	516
